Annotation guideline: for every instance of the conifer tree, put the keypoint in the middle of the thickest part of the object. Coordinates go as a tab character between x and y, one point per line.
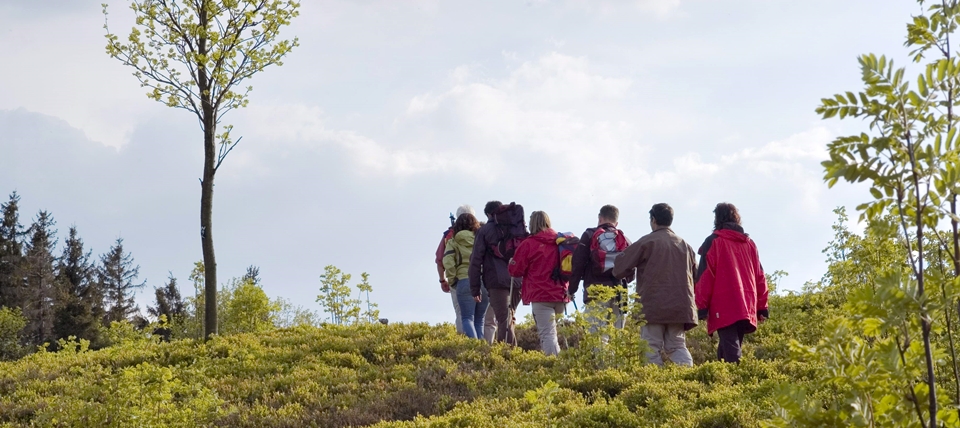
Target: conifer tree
252	275
117	278
40	293
11	251
81	308
170	304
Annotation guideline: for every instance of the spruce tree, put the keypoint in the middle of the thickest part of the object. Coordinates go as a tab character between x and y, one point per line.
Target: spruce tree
40	293
81	308
117	278
170	304
252	275
11	251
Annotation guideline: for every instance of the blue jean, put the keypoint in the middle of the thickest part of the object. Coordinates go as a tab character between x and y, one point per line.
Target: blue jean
471	311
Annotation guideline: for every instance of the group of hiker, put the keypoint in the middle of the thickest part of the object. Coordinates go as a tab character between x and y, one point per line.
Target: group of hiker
490	267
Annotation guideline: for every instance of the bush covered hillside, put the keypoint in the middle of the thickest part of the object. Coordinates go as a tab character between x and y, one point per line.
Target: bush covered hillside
873	343
401	375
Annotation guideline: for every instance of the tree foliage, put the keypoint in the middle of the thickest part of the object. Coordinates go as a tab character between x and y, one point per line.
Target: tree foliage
80	309
908	157
245	308
11	251
335	298
195	55
169	305
40	293
118	279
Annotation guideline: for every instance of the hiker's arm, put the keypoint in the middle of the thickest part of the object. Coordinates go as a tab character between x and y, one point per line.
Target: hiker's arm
763	293
704	249
440	270
703	291
476	260
581	259
450	261
627	261
518	264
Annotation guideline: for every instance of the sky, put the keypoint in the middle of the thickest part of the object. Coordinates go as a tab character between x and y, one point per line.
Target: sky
392	113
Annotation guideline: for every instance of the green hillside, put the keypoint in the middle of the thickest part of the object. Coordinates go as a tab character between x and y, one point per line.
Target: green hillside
400	375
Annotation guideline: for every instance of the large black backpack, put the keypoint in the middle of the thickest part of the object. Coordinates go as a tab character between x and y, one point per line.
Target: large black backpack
511	229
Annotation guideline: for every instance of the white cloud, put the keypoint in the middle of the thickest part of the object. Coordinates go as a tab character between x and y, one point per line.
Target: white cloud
659	8
301	127
551	122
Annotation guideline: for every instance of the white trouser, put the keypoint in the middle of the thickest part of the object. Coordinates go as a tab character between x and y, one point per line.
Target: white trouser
545	315
670	339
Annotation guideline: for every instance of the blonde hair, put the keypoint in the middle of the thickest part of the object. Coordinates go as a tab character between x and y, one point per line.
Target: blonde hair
539	221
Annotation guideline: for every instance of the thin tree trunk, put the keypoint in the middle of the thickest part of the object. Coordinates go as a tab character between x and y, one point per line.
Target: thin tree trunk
925	324
956	235
206	190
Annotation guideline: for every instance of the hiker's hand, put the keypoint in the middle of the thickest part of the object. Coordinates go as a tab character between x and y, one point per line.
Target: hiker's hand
444	286
762	315
477	298
702	314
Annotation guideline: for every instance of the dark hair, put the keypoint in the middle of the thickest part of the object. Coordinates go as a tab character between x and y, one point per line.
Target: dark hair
610	212
491	207
662	214
725	213
466	221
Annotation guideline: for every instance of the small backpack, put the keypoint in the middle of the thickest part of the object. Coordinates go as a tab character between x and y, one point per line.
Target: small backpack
606	244
566	244
512	229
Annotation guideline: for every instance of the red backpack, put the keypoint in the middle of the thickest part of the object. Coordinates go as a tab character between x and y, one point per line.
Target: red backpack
606	244
566	244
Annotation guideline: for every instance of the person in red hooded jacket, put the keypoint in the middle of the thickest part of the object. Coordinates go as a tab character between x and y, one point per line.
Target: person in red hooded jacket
731	290
534	261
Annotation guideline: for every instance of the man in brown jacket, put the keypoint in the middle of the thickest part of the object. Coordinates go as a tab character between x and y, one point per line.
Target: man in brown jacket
666	266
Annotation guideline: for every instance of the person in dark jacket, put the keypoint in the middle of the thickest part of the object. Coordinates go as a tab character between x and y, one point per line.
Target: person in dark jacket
731	292
665	266
534	261
492	271
583	268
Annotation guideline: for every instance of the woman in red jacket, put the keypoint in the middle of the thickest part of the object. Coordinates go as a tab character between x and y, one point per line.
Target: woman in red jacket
534	261
731	290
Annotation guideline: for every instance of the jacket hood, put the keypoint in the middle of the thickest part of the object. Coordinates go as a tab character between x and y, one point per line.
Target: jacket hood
465	238
545	236
732	235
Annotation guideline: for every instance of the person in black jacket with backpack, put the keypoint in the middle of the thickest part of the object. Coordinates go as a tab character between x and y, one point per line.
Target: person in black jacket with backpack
487	262
588	263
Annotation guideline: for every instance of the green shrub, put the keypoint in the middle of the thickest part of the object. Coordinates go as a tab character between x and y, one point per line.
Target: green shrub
12	323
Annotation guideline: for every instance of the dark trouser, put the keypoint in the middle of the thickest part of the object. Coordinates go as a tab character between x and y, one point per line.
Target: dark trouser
731	337
504	312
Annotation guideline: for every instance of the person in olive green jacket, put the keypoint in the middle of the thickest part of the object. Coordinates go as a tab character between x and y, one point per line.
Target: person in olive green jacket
456	263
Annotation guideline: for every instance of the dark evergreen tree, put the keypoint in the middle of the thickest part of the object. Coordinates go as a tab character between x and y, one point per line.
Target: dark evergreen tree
117	278
40	293
81	307
169	304
252	275
11	252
